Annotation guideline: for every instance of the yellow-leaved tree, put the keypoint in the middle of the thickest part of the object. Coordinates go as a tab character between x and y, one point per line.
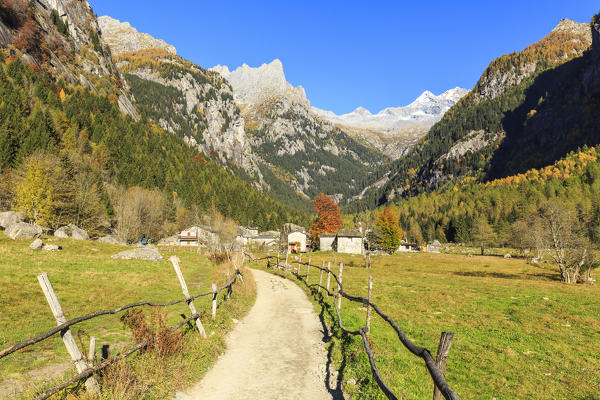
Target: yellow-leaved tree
33	195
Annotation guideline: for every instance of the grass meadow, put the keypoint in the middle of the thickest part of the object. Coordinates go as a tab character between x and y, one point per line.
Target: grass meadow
86	279
519	332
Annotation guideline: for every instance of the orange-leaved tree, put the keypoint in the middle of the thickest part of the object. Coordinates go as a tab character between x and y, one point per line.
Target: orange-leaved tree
329	219
389	234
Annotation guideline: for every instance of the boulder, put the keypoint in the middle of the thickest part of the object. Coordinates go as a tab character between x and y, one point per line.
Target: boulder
139	253
71	232
507	255
37	244
111	239
9	218
169	241
21	230
52	247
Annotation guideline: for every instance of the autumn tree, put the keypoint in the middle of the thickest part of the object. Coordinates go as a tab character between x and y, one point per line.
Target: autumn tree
483	234
329	218
34	197
565	237
139	212
388	231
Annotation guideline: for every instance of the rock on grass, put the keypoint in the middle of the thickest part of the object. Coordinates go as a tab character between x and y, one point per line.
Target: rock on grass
139	253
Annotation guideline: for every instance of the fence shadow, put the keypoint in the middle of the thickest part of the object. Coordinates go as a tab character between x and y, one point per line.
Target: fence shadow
335	392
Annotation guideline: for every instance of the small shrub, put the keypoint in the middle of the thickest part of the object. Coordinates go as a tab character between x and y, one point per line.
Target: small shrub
27	38
159	338
219	258
13	12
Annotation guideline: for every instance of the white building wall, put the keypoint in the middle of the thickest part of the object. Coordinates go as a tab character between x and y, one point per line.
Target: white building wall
326	243
353	245
298	237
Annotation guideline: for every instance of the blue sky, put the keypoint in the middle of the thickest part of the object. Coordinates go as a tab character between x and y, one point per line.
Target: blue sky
350	53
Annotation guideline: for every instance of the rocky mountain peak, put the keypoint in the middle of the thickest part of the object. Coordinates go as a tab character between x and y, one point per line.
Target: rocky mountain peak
361	111
255	85
123	38
568	26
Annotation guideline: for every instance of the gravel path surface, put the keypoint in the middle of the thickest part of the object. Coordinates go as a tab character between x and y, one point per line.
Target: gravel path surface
276	352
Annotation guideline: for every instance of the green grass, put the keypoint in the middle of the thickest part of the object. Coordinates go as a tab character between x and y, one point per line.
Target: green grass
519	332
86	279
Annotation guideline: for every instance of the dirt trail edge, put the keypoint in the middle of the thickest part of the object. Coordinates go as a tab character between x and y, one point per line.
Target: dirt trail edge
276	352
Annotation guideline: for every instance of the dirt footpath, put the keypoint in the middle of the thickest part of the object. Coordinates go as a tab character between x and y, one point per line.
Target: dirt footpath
276	352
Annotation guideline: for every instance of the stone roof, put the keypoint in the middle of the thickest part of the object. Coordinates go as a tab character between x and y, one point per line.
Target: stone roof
350	233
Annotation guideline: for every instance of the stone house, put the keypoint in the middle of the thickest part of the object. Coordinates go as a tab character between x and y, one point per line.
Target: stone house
407	247
349	241
294	238
197	236
326	241
264	239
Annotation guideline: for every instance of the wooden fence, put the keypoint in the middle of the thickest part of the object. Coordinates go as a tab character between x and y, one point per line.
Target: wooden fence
436	368
85	363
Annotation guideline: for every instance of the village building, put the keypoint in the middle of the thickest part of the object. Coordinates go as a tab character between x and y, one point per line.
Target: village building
349	241
197	236
326	241
265	239
407	247
294	238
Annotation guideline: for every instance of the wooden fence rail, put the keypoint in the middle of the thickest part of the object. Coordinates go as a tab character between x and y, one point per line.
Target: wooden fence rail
436	372
85	367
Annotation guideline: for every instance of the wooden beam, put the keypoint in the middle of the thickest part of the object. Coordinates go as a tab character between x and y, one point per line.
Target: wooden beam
80	362
175	261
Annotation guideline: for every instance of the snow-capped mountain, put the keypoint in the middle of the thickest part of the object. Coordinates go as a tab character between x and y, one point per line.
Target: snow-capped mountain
426	110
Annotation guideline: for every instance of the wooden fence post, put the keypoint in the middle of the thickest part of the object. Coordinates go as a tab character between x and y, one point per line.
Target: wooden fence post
369	260
286	259
80	362
441	358
92	351
299	264
340	285
328	275
214	303
321	275
308	269
229	288
175	261
369	297
277	266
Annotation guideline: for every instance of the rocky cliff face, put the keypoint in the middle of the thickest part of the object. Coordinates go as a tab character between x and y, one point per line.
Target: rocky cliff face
75	54
123	38
308	152
190	102
255	85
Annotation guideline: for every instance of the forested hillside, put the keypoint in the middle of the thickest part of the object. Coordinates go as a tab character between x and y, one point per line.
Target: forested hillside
66	140
528	110
505	210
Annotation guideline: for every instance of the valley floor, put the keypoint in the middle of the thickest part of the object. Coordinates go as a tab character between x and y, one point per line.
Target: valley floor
520	333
